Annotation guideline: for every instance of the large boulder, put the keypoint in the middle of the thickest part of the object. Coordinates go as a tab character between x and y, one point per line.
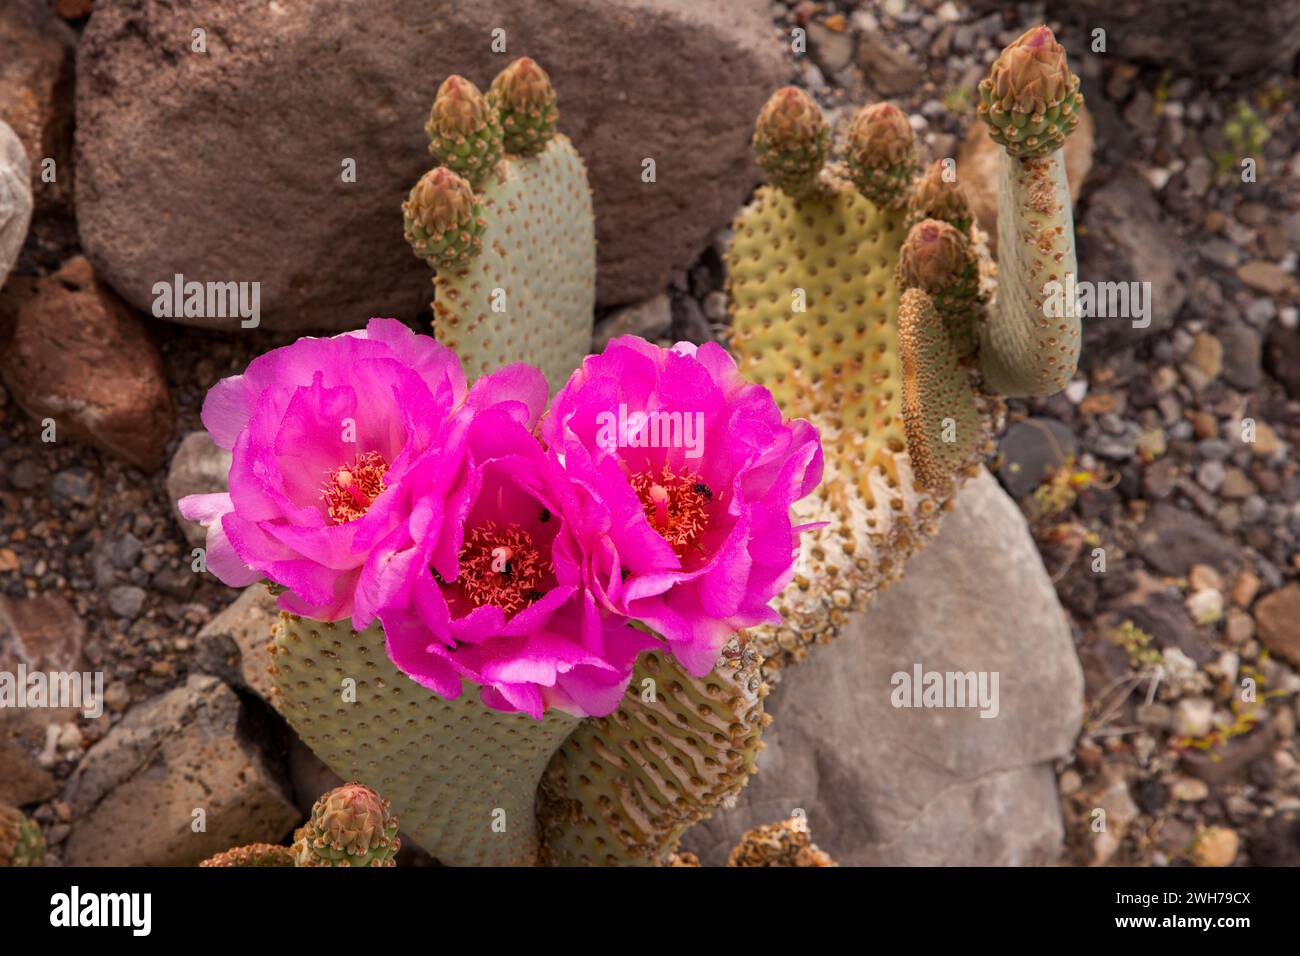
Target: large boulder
889	785
226	165
136	796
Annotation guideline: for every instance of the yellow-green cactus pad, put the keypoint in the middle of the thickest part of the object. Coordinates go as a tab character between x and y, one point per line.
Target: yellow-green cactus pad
461	777
814	318
526	103
940	261
939	411
464	130
623	788
1030	344
530	294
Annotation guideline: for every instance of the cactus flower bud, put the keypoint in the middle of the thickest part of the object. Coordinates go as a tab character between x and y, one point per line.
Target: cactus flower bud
464	130
938	259
791	139
443	219
882	154
525	100
935	196
21	840
349	826
1030	99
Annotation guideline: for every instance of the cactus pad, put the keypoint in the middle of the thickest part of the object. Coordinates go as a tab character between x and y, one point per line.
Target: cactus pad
938	259
517	280
349	826
791	140
623	788
837	364
882	154
461	776
934	196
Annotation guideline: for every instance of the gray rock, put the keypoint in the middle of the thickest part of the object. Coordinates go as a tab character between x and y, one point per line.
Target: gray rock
651	319
1127	239
891	786
135	794
126	601
198	467
1171	540
1207	37
1030	450
15	199
676	81
235	645
74	486
1242	356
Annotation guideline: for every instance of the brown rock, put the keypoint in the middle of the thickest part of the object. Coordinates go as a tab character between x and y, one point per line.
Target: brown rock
73	9
1266	277
36	87
977	169
77	354
242	145
1277	621
135	794
891	69
1206	355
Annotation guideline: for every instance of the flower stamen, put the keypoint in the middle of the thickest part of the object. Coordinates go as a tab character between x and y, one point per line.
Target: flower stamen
501	565
350	490
676	505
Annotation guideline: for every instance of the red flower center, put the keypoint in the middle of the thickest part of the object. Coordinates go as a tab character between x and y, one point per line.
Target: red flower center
351	489
500	564
676	505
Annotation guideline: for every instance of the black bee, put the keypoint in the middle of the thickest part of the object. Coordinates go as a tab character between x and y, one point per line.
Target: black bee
702	489
544	517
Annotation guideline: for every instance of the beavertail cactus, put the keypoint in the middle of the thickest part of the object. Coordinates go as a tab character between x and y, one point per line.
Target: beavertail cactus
349	826
506	222
902	387
21	841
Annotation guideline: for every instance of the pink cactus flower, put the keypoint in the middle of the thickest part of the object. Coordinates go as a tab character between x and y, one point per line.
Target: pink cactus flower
692	471
324	434
492	578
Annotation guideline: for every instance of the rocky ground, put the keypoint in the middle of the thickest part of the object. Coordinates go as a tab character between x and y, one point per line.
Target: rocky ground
1161	488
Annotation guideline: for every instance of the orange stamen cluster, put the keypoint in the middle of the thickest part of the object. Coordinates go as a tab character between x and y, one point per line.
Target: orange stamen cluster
675	503
351	489
500	564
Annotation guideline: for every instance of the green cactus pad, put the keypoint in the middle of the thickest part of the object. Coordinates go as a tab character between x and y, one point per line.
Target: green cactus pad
939	411
1030	99
530	294
21	840
623	788
940	261
253	855
526	103
464	131
1030	344
455	770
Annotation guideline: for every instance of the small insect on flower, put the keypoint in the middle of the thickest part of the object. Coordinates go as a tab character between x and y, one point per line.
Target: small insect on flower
702	489
544	517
